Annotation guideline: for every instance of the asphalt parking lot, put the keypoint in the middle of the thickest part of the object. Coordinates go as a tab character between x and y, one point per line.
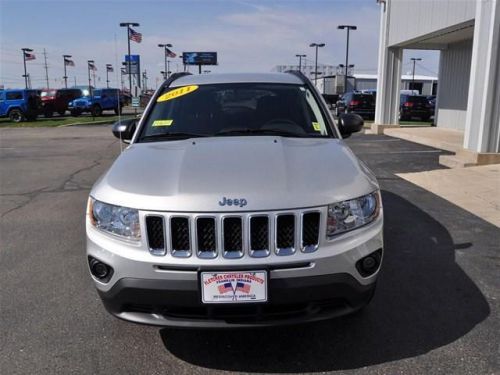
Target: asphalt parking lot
436	310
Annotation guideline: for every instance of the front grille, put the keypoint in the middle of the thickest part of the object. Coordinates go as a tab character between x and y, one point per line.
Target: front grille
180	234
285	234
206	237
310	231
156	237
259	236
234	236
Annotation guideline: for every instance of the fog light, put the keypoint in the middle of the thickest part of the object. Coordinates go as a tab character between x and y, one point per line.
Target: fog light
100	270
369	264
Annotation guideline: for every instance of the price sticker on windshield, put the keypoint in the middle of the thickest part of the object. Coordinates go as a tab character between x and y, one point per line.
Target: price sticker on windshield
176	93
316	126
157	123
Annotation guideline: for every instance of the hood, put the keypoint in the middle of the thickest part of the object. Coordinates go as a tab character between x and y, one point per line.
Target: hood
269	173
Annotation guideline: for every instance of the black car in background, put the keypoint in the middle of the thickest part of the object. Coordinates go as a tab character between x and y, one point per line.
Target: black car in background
358	103
415	106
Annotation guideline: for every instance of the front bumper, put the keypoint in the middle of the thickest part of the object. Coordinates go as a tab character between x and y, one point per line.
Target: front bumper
303	287
292	300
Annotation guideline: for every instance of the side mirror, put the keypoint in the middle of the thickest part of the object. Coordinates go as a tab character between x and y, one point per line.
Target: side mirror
350	123
125	129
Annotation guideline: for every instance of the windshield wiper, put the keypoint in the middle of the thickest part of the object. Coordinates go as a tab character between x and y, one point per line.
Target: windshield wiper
259	131
171	135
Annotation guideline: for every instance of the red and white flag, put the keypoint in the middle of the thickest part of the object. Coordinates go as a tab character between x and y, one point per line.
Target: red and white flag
134	35
29	56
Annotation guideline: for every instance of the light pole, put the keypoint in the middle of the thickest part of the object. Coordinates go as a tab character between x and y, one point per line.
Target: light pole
109	68
317	45
349	28
25	50
414	59
66	57
127	25
300	61
90	63
166	46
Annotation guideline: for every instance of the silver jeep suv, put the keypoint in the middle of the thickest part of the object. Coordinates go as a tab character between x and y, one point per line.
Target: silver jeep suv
237	203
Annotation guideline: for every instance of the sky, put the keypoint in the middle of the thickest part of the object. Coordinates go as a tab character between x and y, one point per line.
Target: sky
249	36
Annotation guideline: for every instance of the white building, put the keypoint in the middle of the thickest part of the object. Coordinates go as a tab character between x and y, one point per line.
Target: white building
308	70
467	34
426	85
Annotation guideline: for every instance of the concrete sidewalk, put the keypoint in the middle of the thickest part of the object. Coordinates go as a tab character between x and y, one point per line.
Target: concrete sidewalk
445	139
475	189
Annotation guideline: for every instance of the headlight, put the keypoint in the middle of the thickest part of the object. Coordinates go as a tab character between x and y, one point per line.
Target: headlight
352	214
121	221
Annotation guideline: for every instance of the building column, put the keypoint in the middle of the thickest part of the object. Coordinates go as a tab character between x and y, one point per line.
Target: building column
388	77
482	123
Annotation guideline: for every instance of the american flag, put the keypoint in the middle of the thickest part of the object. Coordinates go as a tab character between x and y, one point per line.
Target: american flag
170	53
92	66
243	287
29	56
69	62
224	288
109	68
134	35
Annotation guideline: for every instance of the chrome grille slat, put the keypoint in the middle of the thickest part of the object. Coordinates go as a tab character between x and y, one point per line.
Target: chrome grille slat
233	236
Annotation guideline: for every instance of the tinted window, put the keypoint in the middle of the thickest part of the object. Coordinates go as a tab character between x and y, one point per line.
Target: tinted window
363	97
417	99
96	92
14	95
226	109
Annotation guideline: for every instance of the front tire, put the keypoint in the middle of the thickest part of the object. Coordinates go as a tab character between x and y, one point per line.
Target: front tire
48	112
16	115
76	112
96	111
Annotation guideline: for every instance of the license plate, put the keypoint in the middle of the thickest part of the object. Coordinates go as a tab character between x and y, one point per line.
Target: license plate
234	287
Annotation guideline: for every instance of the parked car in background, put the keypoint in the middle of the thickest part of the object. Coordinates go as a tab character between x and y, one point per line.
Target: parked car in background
98	101
57	100
358	103
414	106
19	104
432	102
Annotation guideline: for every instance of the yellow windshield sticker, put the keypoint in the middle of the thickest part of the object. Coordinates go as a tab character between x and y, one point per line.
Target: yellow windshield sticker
317	126
181	91
162	123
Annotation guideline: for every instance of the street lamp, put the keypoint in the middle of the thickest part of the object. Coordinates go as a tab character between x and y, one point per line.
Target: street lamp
127	25
109	68
90	66
165	46
349	28
65	58
24	62
317	45
414	59
300	60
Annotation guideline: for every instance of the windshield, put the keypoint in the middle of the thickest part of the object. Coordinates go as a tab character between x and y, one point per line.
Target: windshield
236	109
